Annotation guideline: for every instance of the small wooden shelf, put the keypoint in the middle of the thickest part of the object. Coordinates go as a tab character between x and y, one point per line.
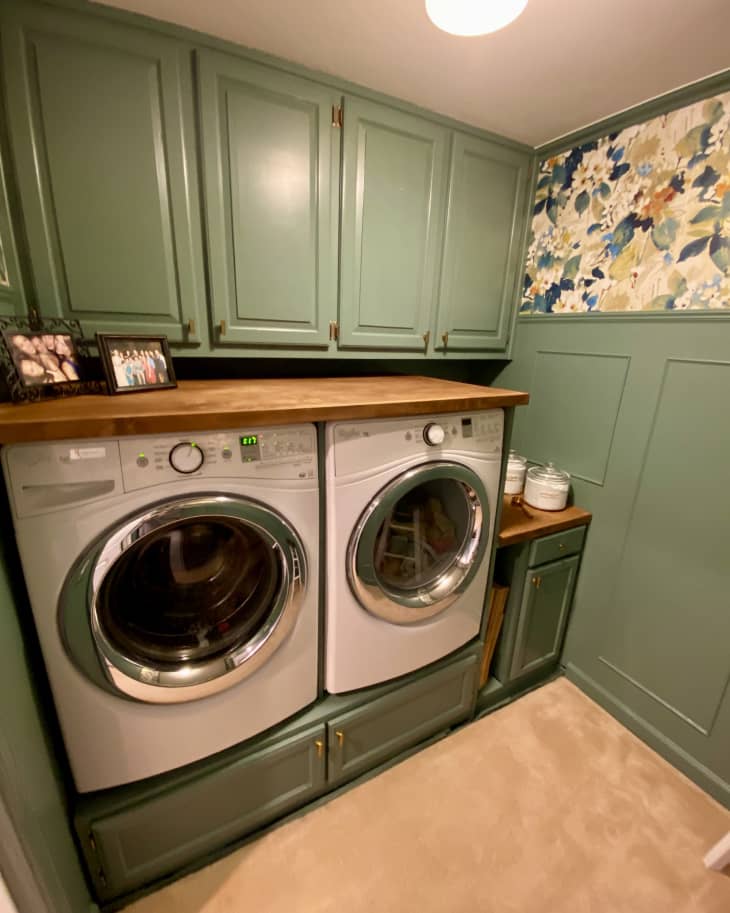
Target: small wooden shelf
210	405
516	526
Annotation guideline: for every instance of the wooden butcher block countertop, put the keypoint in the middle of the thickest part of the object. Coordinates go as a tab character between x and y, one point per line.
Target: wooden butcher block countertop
517	525
209	405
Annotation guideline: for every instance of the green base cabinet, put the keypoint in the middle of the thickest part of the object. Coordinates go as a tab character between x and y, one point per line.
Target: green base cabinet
171	828
101	125
271	158
538	606
381	729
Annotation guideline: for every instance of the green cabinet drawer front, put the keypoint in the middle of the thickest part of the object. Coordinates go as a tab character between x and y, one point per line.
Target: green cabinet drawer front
546	599
271	178
484	231
392	213
102	128
368	735
180	826
559	545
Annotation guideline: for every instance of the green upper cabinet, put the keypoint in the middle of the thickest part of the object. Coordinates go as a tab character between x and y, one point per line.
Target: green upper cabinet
485	227
271	178
102	132
394	172
12	295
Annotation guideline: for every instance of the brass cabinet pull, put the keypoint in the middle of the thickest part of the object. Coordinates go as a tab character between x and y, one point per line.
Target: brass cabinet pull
426	340
445	339
561	547
222	327
191	327
537	582
340	735
319	745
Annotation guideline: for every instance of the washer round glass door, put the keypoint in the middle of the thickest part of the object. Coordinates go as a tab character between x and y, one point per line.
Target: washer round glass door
419	543
187	598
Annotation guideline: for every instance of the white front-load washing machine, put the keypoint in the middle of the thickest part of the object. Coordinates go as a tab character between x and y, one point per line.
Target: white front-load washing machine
410	519
174	586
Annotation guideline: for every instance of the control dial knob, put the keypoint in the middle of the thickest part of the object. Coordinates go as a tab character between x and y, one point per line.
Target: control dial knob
186	457
433	434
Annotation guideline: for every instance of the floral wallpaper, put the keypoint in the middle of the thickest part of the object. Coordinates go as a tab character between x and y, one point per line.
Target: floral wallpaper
636	221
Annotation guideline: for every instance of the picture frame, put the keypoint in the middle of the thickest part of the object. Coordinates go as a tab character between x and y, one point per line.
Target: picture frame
42	358
136	363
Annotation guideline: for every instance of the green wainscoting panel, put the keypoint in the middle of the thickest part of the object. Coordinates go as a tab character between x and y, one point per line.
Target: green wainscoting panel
102	130
394	169
484	233
271	177
588	387
650	628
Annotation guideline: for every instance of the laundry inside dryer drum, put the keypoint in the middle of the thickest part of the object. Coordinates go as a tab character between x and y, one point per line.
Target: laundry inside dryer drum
423	535
189	592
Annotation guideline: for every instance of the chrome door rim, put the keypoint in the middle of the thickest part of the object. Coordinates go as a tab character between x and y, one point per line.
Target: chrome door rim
192	680
424	602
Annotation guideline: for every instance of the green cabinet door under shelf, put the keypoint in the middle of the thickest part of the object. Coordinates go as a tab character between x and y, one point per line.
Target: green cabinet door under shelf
177	827
366	736
546	599
393	185
271	177
485	227
102	127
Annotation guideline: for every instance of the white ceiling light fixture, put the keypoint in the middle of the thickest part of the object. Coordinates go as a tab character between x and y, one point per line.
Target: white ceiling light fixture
473	17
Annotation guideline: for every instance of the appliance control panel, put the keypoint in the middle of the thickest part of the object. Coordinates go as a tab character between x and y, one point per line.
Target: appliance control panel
287	452
363	445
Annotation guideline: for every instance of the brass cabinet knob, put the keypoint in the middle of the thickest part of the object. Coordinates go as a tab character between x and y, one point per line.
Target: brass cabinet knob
426	340
561	547
222	328
319	745
445	339
191	327
340	736
537	582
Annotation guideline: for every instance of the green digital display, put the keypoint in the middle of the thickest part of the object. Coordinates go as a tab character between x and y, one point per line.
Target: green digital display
249	440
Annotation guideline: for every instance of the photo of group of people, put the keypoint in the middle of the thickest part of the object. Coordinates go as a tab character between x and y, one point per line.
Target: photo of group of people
139	367
48	358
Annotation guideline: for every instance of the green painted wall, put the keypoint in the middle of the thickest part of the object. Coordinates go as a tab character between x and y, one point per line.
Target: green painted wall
636	410
30	778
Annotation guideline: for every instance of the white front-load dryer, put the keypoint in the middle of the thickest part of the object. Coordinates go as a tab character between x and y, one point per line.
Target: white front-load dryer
174	586
410	520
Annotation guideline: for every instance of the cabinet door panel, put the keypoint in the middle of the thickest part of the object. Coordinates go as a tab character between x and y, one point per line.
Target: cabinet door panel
484	231
271	172
151	838
546	601
381	729
102	127
392	212
12	292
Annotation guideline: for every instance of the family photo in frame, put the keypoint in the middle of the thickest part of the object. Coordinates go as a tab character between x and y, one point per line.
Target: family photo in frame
133	364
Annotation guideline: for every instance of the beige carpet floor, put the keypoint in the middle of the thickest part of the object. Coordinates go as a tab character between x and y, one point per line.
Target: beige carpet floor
548	805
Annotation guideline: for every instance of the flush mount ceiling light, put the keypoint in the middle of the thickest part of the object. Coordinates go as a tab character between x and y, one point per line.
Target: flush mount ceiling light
473	17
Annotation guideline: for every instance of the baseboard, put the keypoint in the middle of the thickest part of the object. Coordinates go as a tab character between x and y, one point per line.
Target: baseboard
705	778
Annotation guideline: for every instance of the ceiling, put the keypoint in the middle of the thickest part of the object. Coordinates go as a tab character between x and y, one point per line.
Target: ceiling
562	65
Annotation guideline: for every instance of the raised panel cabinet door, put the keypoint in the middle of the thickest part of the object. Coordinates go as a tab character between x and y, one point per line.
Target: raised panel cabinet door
102	129
153	837
367	736
12	292
546	600
393	181
485	227
271	175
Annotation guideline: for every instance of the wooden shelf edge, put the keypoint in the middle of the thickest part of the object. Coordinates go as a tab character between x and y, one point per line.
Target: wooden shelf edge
516	527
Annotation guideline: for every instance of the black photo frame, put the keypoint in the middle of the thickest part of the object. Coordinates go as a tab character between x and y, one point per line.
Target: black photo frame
136	363
42	358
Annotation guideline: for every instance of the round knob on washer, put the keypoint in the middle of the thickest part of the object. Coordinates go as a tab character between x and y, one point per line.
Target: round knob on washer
433	434
186	457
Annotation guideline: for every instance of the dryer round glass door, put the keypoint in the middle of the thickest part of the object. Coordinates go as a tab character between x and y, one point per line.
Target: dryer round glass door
186	599
419	543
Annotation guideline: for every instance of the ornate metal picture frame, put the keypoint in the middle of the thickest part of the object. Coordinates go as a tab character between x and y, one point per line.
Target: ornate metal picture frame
48	366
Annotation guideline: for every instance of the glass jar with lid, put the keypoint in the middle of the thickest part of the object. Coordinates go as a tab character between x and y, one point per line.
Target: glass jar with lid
547	487
514	480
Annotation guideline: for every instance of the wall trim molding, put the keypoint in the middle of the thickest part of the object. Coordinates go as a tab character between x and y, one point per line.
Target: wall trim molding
661	104
664	746
613	316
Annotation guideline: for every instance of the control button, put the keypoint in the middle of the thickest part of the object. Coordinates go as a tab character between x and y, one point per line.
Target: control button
142	461
186	457
409	436
433	434
226	453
